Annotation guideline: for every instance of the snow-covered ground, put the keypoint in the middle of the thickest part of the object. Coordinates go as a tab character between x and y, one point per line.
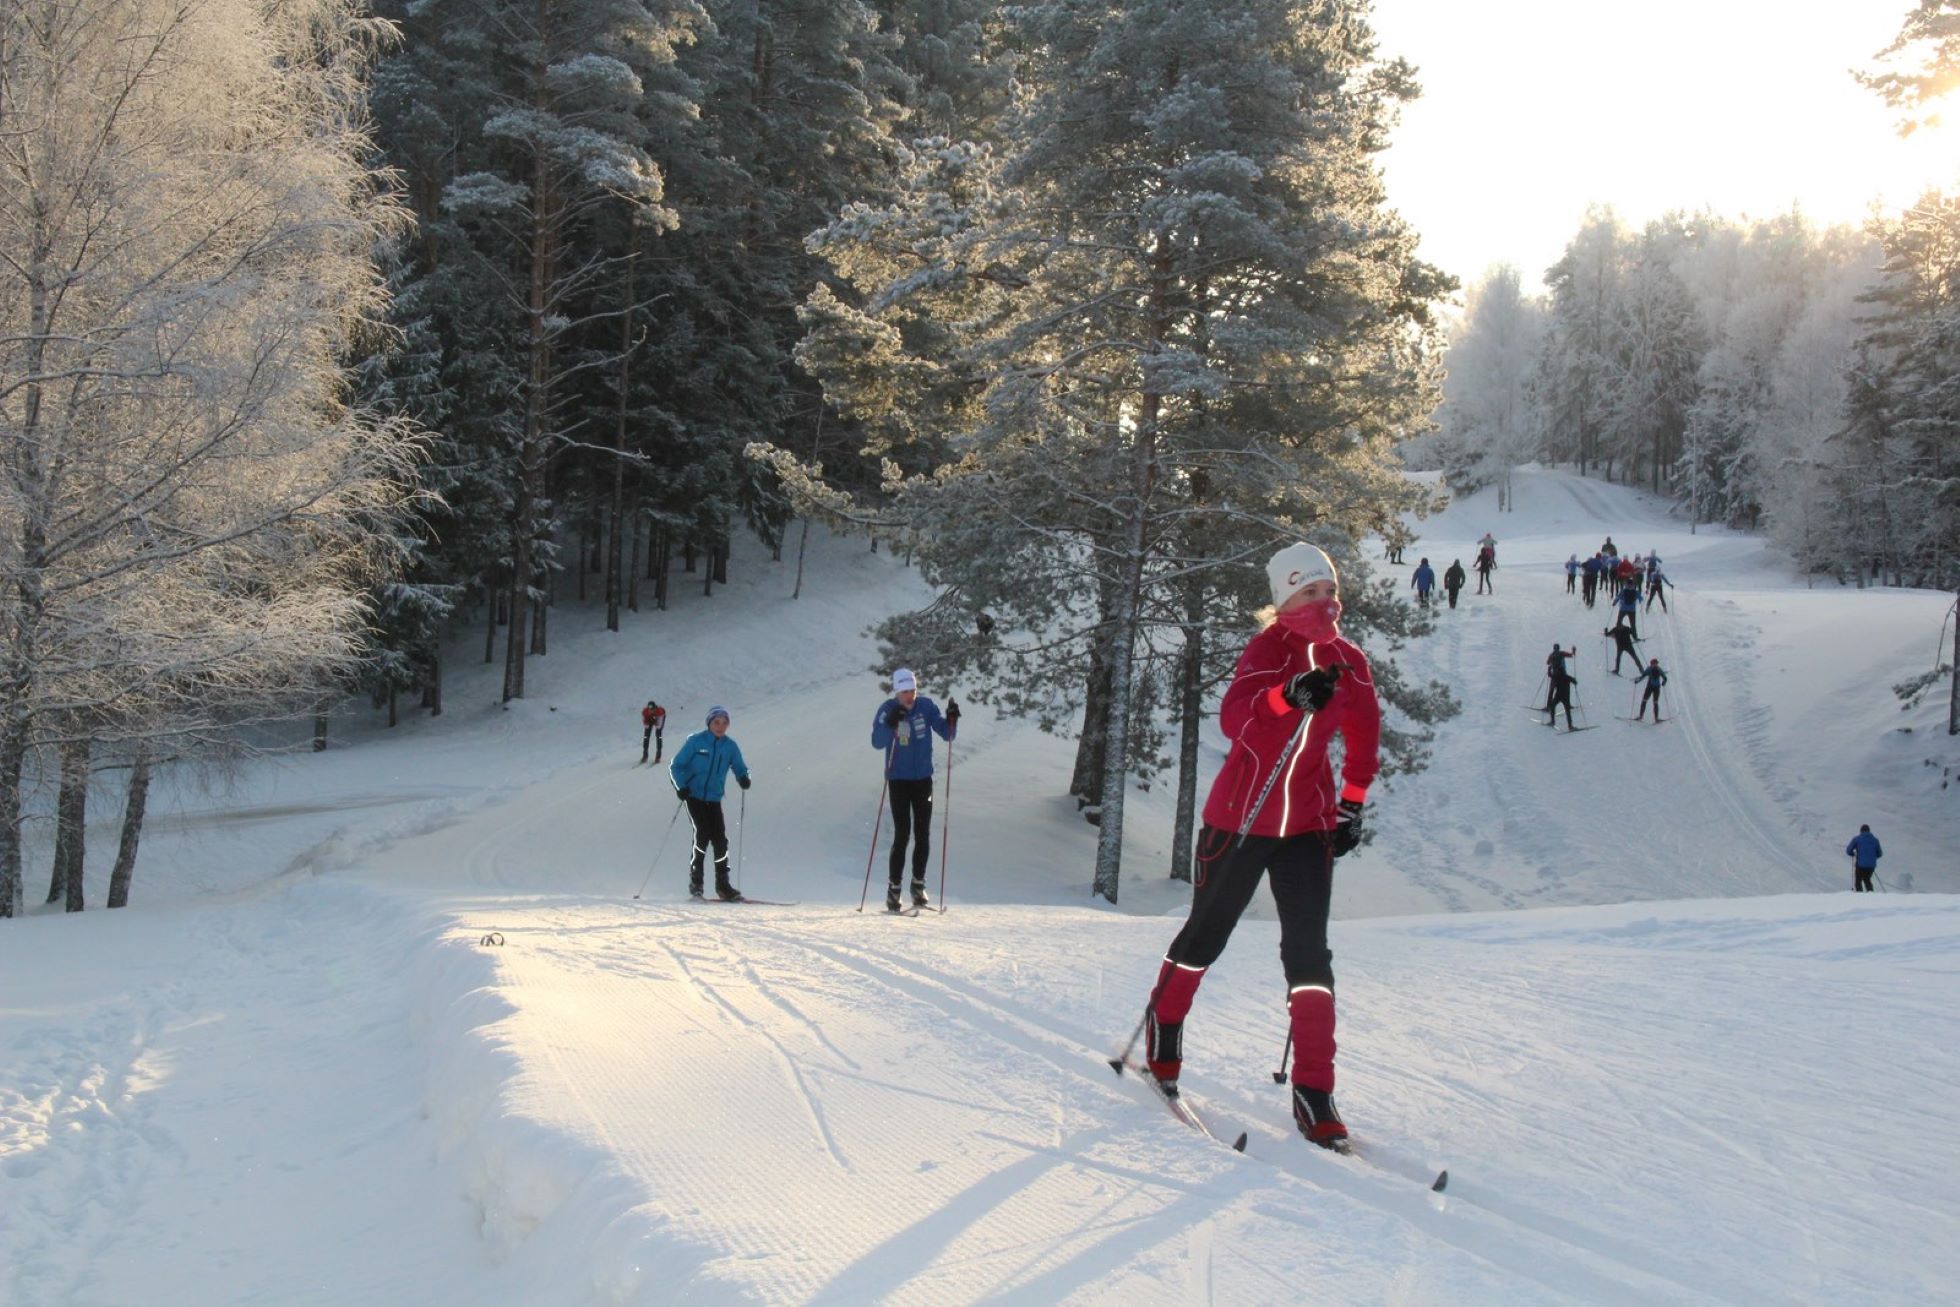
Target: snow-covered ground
385	1025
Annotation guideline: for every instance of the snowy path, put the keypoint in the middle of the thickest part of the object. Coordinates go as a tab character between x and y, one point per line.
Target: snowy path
294	1073
811	1106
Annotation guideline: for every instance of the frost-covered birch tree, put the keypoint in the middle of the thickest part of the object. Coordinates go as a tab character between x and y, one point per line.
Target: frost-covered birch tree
187	500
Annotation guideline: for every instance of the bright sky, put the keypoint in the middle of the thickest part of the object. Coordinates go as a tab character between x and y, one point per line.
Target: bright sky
1533	109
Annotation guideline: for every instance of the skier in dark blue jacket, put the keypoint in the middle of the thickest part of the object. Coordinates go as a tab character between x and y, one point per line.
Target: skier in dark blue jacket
1423	580
1864	854
1655	679
903	728
700	774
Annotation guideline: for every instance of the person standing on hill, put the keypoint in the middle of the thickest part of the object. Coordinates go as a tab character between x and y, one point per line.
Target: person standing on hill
1864	854
699	772
1423	581
1655	678
1589	572
903	728
1562	681
1628	610
1275	809
1453	580
1572	574
1486	562
1623	643
1656	580
1610	550
653	723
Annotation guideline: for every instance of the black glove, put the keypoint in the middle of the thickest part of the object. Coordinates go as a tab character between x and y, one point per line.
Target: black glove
742	781
684	795
952	712
1347	828
1310	691
894	717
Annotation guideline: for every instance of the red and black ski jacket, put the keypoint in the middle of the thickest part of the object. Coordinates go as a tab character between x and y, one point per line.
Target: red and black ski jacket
1259	722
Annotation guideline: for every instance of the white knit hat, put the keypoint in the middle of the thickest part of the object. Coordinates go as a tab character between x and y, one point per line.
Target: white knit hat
902	679
1296	567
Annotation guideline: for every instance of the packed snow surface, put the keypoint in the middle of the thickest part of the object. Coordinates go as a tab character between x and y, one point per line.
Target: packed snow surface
387	1025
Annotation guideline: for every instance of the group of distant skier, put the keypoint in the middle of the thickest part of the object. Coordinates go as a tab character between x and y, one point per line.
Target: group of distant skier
1423	579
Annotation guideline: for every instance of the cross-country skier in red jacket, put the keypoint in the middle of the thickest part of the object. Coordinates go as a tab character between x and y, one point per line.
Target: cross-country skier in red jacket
1275	808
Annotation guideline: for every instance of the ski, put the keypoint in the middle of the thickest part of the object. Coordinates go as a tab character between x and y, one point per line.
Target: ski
1574	730
1173	1100
761	903
1657	720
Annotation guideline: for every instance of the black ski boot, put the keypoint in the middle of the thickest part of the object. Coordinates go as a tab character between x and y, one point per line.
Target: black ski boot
919	899
694	891
1313	1112
728	894
891	899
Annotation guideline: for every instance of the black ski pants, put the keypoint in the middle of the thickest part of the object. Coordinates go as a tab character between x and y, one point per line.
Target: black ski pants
1653	593
911	818
1571	582
1483	581
1862	883
1302	868
709	828
1452	592
650	735
1561	694
1652	693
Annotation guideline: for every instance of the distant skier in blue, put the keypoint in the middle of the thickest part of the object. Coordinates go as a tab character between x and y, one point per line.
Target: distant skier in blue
1423	581
1655	678
903	728
1628	608
700	774
1864	854
1572	574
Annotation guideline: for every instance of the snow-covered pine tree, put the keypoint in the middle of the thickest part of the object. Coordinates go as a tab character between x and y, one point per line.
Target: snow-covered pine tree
188	211
1173	327
1576	377
550	109
1488	422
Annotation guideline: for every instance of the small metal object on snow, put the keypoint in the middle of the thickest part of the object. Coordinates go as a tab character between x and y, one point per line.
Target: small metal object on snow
494	939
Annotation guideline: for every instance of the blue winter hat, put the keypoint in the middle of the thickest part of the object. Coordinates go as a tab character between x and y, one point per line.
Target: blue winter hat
717	711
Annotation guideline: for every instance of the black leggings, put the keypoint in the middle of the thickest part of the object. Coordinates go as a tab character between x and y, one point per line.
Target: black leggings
709	828
1302	868
911	802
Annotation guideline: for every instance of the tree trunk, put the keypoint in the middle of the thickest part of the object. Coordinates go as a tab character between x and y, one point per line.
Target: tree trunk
320	728
540	613
71	825
490	625
132	830
1085	783
1190	716
615	562
802	547
435	680
633	563
666	547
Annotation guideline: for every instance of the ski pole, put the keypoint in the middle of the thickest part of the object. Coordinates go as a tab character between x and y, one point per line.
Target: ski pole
1285	1056
877	823
741	820
1245	827
1122	1059
678	805
946	828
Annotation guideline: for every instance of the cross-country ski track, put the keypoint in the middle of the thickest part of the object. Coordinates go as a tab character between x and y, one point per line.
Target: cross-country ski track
385	1024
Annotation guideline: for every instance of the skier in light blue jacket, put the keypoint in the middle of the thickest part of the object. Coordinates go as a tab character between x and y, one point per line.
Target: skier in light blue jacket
700	774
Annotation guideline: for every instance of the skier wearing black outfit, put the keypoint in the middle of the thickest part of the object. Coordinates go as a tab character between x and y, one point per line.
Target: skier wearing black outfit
1655	679
1562	682
1275	808
1486	560
1623	643
903	728
1453	580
